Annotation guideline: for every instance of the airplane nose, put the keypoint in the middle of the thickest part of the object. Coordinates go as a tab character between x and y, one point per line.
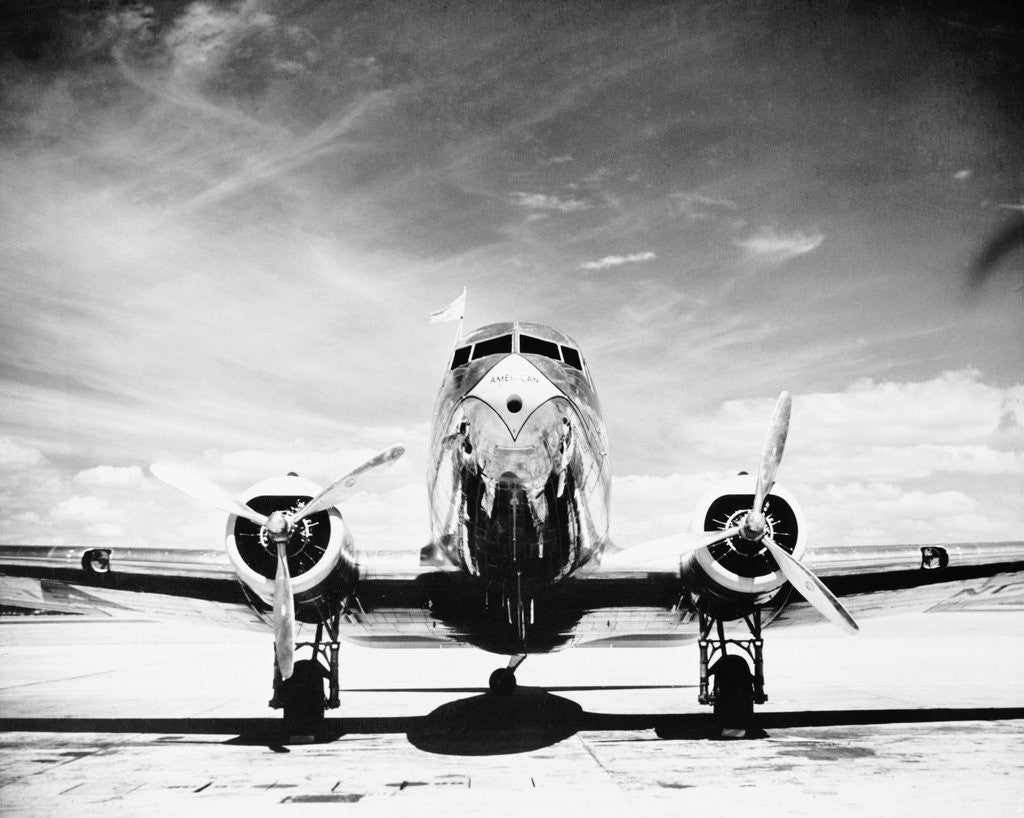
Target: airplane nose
514	389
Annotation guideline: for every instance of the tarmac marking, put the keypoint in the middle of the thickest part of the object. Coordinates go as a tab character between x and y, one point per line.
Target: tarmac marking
325	798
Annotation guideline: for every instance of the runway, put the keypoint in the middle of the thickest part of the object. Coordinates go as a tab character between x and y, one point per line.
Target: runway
918	715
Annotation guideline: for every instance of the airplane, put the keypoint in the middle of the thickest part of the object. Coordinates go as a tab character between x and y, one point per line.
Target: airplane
519	559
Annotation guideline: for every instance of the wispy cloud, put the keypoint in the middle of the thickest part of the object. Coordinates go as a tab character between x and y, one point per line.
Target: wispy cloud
221	220
699	206
547	203
616	261
770	245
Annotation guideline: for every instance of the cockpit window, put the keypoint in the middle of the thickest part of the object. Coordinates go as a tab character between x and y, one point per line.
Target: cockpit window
493	346
461	357
536	346
572	357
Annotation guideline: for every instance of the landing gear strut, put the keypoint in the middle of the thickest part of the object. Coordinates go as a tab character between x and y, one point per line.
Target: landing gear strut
735	690
503	680
301	697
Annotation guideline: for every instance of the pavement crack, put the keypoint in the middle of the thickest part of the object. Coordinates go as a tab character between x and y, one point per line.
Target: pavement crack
597	761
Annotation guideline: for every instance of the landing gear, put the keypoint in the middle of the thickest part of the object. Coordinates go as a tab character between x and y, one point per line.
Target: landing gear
733	694
301	696
735	690
503	680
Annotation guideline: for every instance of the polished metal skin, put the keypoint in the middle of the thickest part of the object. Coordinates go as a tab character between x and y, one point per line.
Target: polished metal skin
519	481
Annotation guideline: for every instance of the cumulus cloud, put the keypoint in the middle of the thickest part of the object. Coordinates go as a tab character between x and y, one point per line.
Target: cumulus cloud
938	460
616	261
956	407
391	519
81	509
647	507
16	455
769	245
110	476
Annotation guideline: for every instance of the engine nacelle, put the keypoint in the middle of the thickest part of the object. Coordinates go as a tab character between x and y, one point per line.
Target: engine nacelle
321	553
729	579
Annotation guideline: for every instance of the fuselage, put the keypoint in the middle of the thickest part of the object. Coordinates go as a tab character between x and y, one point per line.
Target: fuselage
519	479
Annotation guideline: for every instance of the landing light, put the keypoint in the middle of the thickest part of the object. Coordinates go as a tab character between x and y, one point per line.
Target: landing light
514	403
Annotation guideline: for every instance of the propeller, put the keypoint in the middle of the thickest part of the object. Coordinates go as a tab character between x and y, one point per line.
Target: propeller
345	487
204	492
279	526
284	614
811	587
754	528
774	445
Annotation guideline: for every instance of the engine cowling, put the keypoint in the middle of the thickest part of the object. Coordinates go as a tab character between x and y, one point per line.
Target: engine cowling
731	578
321	552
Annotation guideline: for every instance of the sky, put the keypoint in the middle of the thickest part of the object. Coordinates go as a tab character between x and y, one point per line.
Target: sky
223	227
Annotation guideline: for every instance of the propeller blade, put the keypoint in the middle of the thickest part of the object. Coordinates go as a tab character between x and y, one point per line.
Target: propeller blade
812	588
348	485
774	444
284	615
204	492
713	538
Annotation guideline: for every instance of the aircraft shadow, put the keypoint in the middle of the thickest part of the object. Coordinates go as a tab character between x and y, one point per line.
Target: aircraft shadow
528	719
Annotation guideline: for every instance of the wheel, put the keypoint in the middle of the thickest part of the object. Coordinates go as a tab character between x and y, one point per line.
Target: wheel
303	696
502	681
734	694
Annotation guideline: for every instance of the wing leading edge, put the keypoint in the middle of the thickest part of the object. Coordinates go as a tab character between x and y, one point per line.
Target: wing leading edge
176	583
202	586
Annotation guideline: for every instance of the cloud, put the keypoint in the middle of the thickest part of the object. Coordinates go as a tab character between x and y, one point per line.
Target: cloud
550	204
956	407
261	203
939	460
78	509
616	261
248	466
110	476
204	36
15	455
699	207
647	507
772	246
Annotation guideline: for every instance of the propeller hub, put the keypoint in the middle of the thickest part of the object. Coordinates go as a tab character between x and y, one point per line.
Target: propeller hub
278	527
753	526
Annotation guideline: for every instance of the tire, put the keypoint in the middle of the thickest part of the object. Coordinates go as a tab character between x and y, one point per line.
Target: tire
502	681
303	696
734	693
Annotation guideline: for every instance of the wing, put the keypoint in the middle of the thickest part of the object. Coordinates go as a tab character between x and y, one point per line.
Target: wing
871	580
875	580
387	609
125	582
